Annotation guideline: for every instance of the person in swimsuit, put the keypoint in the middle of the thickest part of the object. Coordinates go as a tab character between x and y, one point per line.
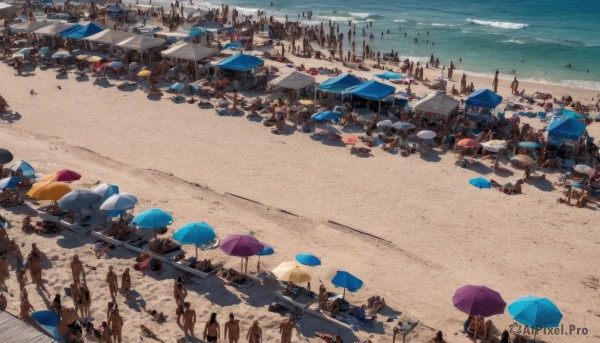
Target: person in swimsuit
286	328
126	284
212	330
115	322
113	286
233	328
254	335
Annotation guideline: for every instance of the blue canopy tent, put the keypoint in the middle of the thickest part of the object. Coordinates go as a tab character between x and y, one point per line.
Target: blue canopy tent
241	63
71	29
339	83
373	90
83	31
480	105
570	114
566	129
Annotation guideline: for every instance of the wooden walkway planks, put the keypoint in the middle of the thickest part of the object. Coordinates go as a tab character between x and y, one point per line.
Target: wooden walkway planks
14	330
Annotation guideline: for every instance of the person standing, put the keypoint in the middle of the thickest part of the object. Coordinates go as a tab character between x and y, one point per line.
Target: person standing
126	284
212	329
76	269
113	285
254	335
115	322
286	328
232	327
189	319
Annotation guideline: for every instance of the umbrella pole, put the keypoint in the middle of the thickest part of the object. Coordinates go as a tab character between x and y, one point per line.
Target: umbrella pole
344	295
242	268
475	333
196	253
258	265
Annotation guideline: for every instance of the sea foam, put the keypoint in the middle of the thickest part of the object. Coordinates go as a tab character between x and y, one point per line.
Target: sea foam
499	24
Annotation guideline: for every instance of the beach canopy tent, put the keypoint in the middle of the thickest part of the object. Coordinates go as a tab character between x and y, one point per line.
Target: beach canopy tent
437	104
83	31
240	62
29	26
566	128
109	36
570	114
23	168
141	43
484	98
54	29
6	10
209	27
189	51
294	80
339	83
372	90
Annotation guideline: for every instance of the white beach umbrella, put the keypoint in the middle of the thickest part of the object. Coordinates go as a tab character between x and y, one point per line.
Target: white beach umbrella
119	202
385	123
426	134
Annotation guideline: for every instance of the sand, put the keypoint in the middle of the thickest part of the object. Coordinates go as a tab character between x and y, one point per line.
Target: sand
425	230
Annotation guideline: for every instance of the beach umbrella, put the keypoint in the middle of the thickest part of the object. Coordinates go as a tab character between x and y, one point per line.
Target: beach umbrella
480	182
152	219
523	159
106	190
195	233
144	73
64	175
291	272
5	156
308	260
48	190
18	56
49	321
265	251
389	75
426	134
327	115
535	312
468	143
385	123
82	57
61	54
403	126
529	145
24	51
78	199
478	301
43	51
347	281
306	102
94	59
10	182
116	64
119	202
177	87
583	169
241	246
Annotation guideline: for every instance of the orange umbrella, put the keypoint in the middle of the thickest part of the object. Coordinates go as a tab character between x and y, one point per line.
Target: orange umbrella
49	190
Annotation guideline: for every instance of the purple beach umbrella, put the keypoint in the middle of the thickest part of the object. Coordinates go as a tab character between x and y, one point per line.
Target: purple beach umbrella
478	301
241	246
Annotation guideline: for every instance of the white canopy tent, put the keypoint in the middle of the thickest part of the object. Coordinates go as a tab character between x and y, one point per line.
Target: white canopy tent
109	36
141	43
189	51
29	26
436	104
294	80
54	29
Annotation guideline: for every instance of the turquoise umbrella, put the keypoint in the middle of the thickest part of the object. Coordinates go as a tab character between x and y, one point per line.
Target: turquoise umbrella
152	219
480	182
535	313
195	233
347	281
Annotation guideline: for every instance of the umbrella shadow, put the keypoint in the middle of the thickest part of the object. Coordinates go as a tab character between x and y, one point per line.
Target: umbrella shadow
480	168
154	97
307	325
542	184
255	118
214	290
10	116
432	156
103	82
354	128
62	76
137	302
82	78
178	99
205	105
128	87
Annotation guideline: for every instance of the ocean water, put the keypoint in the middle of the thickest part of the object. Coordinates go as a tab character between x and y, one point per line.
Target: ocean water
533	39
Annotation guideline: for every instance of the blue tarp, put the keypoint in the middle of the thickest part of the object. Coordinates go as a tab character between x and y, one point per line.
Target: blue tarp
71	29
484	98
83	31
566	128
571	114
372	90
339	83
240	62
390	75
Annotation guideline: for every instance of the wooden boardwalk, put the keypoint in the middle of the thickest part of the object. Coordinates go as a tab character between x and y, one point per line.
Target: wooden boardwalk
14	330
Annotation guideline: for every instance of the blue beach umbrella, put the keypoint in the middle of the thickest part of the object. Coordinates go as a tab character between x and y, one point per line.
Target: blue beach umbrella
152	219
308	260
177	87
266	250
49	321
535	312
347	281
116	64
106	190
61	55
119	202
403	126
9	182
78	199
195	233
529	145
24	51
480	182
327	115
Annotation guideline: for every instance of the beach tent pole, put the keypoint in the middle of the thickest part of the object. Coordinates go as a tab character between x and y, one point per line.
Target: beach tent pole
344	295
379	109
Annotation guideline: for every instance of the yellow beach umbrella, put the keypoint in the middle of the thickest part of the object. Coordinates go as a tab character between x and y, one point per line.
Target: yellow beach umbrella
82	57
291	272
48	190
94	59
524	159
306	102
144	73
18	56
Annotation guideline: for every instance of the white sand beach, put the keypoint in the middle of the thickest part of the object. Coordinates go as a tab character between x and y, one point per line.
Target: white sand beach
421	230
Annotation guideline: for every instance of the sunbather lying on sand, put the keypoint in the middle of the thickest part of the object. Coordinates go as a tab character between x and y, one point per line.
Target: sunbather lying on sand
158	317
230	275
205	266
147	332
508	188
360	150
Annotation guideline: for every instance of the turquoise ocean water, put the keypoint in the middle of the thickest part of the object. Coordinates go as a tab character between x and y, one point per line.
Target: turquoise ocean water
535	38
